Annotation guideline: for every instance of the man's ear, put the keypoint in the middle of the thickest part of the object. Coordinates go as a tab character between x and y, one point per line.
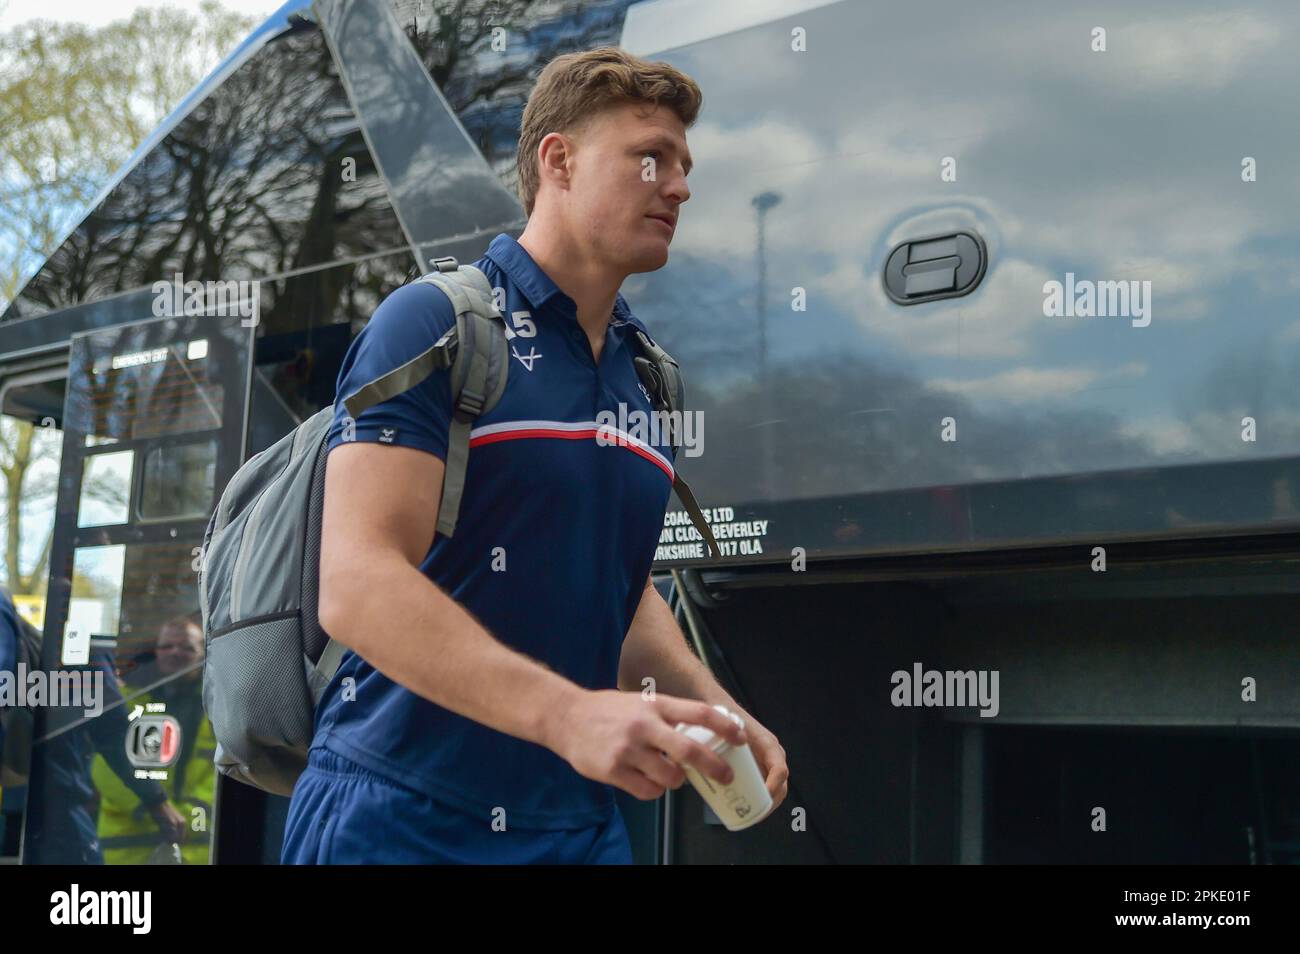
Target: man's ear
554	149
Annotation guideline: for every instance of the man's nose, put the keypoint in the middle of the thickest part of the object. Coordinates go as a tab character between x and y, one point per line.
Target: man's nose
677	189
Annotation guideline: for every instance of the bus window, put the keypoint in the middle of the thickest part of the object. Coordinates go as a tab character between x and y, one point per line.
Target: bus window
178	481
105	485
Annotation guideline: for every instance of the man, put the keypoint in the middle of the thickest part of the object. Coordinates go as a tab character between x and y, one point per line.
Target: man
129	831
8	649
480	719
9	813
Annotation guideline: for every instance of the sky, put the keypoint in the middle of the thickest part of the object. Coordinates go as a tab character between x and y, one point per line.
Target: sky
97	13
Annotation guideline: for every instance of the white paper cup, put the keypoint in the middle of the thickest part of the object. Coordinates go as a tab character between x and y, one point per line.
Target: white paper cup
746	801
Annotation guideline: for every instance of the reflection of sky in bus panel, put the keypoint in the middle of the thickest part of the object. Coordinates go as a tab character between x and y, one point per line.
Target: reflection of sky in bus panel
1123	165
486	70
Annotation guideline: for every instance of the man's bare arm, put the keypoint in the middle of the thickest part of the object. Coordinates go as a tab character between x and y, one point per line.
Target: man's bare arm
381	503
380	514
655	647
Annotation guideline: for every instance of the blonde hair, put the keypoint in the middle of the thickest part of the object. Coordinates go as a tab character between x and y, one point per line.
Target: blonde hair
574	87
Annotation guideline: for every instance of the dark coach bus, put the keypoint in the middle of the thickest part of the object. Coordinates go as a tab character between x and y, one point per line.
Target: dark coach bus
990	315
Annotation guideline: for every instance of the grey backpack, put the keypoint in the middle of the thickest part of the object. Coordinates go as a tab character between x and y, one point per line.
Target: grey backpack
268	659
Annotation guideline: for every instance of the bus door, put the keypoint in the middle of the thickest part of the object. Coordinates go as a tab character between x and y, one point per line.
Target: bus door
155	423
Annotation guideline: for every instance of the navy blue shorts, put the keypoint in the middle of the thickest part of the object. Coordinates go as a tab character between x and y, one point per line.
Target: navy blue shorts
342	813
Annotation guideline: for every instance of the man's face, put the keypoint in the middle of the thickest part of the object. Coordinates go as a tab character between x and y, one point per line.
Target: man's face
630	164
179	648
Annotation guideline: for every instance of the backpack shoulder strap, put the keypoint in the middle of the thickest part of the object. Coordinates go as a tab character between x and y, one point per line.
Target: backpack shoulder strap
480	367
475	351
663	379
470	294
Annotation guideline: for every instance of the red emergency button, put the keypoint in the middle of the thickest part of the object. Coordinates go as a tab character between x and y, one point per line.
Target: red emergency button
171	742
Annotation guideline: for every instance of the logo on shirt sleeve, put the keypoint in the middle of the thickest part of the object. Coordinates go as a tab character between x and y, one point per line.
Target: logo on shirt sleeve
387	435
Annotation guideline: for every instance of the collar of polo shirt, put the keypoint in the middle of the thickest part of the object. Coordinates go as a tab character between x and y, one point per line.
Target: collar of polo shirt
537	285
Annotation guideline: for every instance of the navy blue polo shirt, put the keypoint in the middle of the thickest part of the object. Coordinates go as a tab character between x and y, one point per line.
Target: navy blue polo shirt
556	534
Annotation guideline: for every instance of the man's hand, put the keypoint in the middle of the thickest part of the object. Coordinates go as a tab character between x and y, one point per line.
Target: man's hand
170	822
626	740
770	757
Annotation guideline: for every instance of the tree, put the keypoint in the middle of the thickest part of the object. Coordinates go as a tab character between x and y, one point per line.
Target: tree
26	485
75	103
